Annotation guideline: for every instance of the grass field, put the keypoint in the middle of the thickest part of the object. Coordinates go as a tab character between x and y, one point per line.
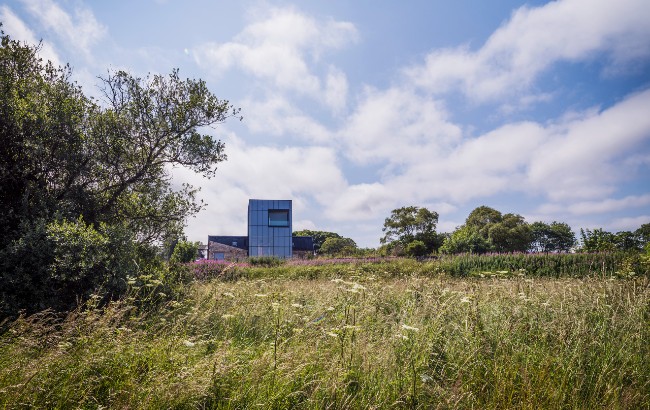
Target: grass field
358	338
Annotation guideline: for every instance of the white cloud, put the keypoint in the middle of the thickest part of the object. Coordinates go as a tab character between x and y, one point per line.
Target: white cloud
18	30
277	117
533	40
631	223
302	174
279	46
606	205
336	90
581	158
396	127
80	32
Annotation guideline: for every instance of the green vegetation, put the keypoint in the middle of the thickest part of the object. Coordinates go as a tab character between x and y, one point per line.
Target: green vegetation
357	335
337	244
99	306
85	189
411	224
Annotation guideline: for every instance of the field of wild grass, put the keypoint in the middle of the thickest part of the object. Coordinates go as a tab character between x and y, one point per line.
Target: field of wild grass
359	337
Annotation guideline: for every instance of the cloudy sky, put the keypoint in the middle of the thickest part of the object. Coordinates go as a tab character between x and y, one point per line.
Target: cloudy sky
352	109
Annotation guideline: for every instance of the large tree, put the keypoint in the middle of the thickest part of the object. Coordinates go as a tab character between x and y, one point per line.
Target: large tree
338	246
487	229
319	237
411	223
72	164
553	237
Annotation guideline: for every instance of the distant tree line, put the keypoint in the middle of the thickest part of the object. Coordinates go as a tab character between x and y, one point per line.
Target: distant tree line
411	231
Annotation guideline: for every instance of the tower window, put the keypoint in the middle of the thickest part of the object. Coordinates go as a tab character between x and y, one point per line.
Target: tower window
279	217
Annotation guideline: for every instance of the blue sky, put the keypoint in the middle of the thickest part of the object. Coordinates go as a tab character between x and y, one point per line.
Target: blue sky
352	109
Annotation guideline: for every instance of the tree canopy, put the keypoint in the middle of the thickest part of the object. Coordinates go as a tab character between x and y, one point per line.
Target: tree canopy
553	237
69	163
319	237
487	230
412	223
338	246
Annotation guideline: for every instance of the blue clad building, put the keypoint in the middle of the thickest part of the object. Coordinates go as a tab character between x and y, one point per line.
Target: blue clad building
269	228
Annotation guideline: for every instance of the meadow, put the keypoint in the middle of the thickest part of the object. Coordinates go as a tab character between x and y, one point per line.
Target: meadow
347	335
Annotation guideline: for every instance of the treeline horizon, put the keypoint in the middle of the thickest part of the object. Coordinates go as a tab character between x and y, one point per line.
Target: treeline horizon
411	231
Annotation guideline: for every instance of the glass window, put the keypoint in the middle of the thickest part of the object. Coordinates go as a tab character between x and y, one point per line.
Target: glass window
278	217
218	256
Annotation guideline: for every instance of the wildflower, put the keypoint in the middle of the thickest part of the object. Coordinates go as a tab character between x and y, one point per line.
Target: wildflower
275	306
228	294
188	343
466	299
330	308
297	330
337	280
261	295
297	305
227	316
410	328
358	287
401	336
332	334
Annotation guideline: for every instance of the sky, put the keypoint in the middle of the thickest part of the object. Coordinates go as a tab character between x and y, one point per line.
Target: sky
353	109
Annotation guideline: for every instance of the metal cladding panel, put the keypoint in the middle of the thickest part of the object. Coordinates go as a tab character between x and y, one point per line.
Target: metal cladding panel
264	239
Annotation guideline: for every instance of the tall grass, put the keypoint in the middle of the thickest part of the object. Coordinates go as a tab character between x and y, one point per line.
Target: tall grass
356	339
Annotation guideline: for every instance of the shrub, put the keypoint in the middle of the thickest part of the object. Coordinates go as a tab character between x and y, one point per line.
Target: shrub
57	264
265	261
185	251
416	248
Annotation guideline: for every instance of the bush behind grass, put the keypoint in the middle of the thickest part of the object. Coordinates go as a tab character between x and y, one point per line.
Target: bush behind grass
364	337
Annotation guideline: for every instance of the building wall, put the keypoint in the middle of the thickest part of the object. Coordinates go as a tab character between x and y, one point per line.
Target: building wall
267	233
230	253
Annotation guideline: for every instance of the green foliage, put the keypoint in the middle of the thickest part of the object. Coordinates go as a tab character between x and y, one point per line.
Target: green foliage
543	265
338	246
553	237
83	186
416	248
185	251
319	237
512	234
266	261
643	234
61	262
486	230
465	240
597	240
411	223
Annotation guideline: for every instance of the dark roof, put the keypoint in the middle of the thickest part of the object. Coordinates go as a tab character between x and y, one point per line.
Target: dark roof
303	243
242	241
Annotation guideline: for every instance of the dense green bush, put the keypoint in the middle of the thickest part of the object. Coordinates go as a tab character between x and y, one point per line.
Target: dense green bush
56	264
185	251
